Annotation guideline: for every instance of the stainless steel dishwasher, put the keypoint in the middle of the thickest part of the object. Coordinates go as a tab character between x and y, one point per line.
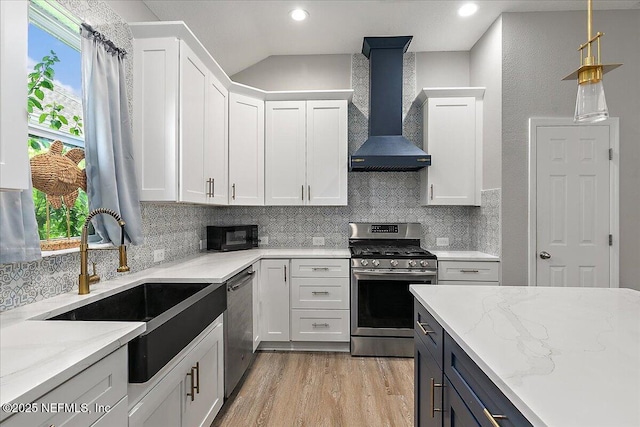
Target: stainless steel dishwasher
238	321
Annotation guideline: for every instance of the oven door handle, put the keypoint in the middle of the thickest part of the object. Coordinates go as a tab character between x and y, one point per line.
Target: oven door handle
426	274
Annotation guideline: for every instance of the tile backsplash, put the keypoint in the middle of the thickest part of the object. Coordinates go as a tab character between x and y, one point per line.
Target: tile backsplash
372	196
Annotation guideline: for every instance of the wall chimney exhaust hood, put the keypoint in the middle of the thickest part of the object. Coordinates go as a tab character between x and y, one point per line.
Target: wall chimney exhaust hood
386	150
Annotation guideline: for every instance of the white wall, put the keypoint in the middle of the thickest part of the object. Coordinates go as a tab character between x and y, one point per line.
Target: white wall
442	69
298	72
486	70
132	10
539	49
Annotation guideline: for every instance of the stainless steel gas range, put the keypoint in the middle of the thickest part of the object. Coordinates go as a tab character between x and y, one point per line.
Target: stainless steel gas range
385	259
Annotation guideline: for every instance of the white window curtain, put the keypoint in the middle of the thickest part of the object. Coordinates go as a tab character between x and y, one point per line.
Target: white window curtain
111	180
19	240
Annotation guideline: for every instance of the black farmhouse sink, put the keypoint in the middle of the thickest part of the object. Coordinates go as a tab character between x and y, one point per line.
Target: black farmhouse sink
175	313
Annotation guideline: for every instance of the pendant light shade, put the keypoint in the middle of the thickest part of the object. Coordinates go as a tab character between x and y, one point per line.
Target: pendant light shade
591	105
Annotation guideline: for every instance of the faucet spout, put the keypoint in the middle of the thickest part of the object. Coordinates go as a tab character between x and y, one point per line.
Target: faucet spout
84	279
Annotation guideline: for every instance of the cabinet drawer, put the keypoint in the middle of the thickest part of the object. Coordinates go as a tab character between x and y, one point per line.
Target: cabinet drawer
433	338
320	267
477	391
466	282
102	384
322	293
468	271
320	325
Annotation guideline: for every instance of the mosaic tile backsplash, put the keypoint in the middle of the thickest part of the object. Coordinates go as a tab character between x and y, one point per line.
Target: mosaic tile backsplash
373	197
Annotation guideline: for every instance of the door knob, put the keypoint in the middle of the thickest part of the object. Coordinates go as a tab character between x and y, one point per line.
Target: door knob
545	255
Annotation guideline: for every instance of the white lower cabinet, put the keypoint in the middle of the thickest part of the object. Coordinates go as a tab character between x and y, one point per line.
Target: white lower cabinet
468	273
94	397
192	392
274	300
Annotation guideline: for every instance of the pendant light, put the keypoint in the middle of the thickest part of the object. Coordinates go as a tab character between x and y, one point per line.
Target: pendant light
591	105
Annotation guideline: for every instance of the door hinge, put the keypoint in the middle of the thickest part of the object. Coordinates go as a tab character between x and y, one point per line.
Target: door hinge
610	153
610	239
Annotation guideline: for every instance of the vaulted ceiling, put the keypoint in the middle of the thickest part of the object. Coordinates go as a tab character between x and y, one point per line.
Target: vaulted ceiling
239	33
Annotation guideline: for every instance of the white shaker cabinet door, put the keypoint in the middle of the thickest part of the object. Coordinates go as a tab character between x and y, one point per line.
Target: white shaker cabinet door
246	150
216	149
285	153
193	91
327	153
274	299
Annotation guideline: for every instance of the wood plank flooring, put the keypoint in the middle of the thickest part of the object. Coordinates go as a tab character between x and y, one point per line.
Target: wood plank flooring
286	389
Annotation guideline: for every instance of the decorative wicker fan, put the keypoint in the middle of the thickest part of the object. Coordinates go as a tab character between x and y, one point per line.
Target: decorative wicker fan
59	177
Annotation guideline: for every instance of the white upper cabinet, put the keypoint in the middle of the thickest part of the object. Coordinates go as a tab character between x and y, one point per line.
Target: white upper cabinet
14	158
180	124
246	150
453	138
306	152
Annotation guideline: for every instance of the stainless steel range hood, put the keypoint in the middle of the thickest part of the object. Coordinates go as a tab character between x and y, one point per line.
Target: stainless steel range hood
386	149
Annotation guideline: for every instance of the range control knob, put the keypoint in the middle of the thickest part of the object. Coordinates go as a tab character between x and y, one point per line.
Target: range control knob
424	263
411	263
375	262
393	263
364	262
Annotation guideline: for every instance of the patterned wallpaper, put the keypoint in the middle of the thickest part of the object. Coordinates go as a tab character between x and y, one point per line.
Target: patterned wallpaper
373	196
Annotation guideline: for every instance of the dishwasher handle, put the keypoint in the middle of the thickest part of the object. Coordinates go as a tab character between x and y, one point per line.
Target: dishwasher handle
240	279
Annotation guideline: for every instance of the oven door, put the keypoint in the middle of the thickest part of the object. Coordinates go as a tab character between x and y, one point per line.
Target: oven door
381	304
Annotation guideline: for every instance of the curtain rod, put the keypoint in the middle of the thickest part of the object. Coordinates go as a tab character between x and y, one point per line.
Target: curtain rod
111	47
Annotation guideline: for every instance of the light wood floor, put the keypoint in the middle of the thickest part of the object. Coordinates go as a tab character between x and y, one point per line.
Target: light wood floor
322	389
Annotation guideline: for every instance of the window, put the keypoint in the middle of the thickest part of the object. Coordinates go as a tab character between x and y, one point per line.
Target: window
55	114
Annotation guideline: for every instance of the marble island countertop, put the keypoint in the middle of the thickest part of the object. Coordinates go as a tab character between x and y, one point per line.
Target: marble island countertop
37	355
564	356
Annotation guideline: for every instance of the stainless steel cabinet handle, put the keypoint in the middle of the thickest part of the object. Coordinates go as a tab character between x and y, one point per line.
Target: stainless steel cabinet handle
468	270
197	368
192	393
423	329
233	191
320	268
285	274
320	325
302	191
433	398
309	192
431	189
545	255
492	418
319	293
213	187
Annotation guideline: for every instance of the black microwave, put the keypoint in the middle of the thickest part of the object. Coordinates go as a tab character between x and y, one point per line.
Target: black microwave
232	237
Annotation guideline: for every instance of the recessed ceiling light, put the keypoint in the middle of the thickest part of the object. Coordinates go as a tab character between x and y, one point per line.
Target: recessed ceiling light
299	14
468	9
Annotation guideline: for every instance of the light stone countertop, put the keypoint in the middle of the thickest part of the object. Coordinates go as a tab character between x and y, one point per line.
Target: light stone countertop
564	356
37	356
463	256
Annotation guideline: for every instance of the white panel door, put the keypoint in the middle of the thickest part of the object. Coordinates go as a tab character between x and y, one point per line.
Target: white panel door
216	149
327	153
14	159
450	130
285	153
193	90
573	206
155	127
274	300
246	150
